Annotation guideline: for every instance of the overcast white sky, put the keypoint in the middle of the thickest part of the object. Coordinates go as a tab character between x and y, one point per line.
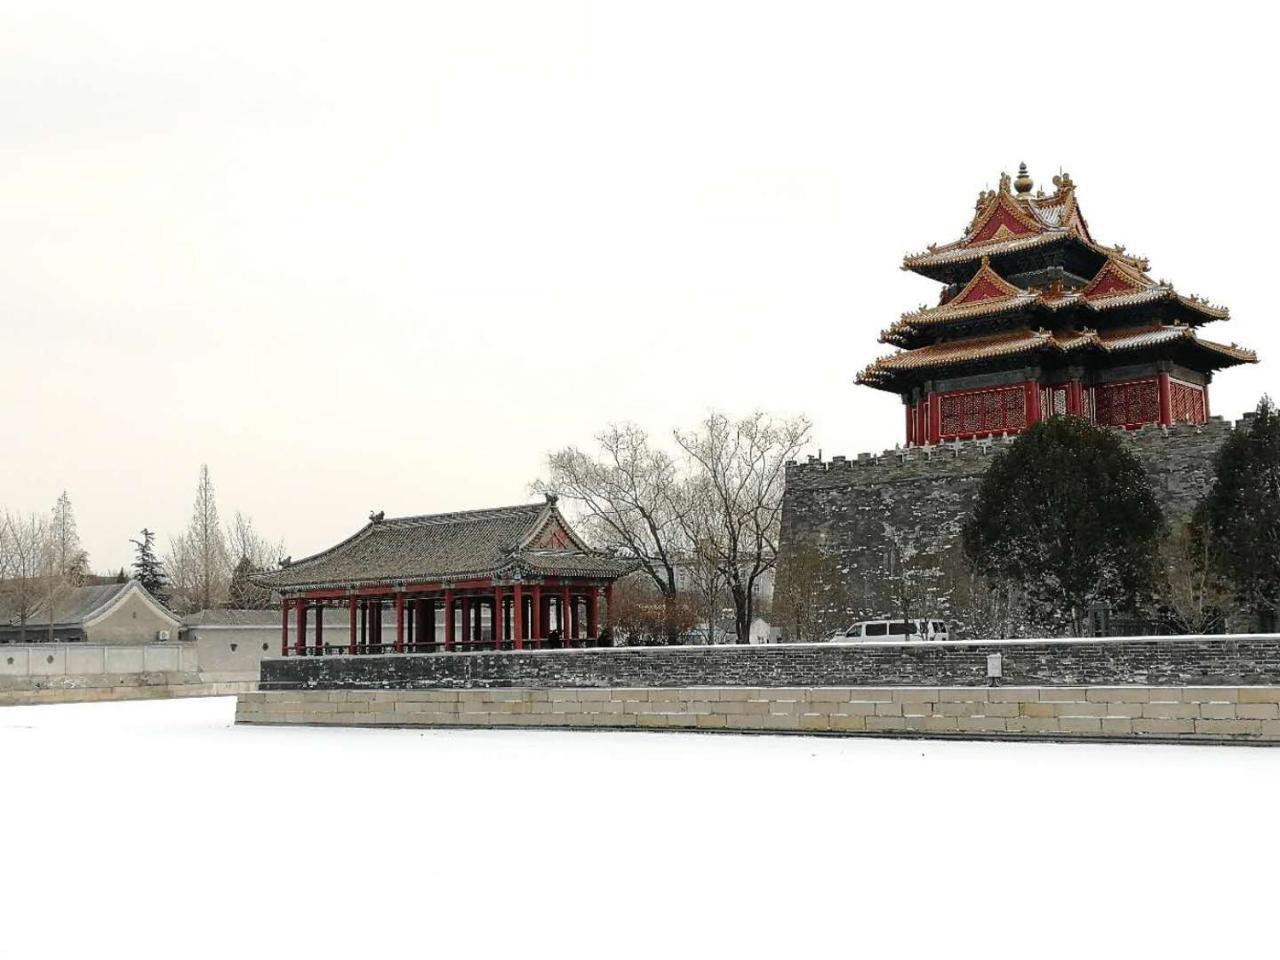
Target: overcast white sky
384	256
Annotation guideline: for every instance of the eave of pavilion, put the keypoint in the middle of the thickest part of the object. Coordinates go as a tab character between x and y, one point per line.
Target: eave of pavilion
898	373
1107	300
595	569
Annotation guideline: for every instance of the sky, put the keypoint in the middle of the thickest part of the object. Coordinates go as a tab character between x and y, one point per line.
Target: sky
385	256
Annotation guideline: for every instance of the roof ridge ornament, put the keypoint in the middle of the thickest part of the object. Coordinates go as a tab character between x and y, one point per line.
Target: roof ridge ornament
1024	183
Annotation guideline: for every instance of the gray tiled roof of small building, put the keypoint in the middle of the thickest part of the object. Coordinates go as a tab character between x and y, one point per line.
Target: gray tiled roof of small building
457	545
79	604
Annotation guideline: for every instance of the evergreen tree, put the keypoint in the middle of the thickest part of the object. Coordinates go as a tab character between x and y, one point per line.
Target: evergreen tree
244	594
1066	515
148	570
1241	514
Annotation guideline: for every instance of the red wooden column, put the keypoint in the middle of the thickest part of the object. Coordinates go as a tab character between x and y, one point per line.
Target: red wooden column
448	620
399	623
497	618
911	432
933	417
593	614
608	605
284	627
1032	393
566	618
517	618
300	641
320	629
1075	399
535	626
1166	400
351	642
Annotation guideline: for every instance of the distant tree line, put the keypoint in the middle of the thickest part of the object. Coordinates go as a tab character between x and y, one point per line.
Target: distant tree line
209	565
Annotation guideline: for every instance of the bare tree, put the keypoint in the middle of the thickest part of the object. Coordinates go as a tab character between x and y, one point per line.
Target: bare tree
734	498
707	586
1191	594
250	553
807	589
27	538
629	497
641	615
69	558
197	561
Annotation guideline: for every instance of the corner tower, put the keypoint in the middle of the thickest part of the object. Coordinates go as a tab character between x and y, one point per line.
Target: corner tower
1036	318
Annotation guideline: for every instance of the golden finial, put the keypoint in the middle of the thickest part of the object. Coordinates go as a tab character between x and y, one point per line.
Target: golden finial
1024	183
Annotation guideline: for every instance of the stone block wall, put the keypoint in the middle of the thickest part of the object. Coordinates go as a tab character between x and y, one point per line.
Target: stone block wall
1165	661
842	507
1223	713
32	673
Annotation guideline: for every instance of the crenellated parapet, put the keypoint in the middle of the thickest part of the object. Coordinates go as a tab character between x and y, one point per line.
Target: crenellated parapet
1151	435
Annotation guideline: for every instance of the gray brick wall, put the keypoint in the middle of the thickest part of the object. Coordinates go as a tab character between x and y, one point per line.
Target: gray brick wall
841	507
1157	662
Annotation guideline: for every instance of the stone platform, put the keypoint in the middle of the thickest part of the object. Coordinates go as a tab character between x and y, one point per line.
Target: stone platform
1236	714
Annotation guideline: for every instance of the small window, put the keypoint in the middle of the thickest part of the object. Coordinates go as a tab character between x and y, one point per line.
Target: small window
939	627
876	629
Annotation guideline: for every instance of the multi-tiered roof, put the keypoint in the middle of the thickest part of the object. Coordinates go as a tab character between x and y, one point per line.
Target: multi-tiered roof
1027	285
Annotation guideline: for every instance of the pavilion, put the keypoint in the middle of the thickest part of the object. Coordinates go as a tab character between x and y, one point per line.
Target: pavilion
504	578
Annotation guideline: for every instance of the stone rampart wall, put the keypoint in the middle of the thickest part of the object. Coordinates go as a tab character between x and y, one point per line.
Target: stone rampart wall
842	508
1161	661
1226	713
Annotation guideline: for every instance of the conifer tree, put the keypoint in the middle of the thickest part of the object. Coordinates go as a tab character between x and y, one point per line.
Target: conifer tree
148	569
1241	514
1067	515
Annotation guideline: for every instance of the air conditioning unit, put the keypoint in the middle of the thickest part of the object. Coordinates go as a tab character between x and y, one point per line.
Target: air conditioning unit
162	635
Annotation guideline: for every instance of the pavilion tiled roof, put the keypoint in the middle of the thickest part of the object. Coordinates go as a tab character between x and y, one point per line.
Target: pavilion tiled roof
1004	223
1025	340
1116	285
499	543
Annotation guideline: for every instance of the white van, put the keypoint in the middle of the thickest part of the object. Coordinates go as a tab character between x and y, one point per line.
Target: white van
870	631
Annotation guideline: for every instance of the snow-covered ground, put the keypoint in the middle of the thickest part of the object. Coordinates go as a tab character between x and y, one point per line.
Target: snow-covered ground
158	829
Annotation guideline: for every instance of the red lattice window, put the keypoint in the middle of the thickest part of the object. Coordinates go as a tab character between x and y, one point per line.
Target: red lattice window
983	411
1127	404
1059	407
1186	401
